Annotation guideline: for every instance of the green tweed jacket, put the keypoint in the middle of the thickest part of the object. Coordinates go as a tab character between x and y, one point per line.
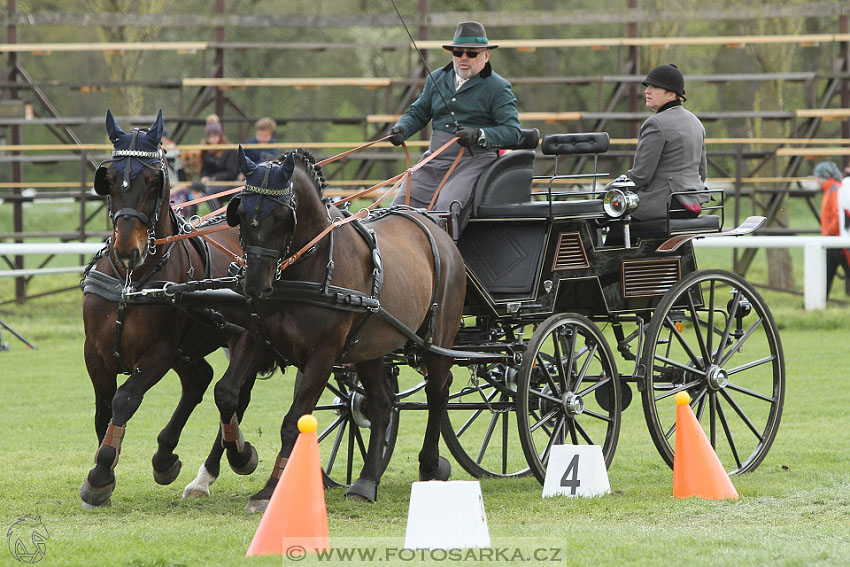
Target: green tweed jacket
485	101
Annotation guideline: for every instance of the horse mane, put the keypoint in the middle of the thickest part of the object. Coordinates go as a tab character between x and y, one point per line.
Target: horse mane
314	171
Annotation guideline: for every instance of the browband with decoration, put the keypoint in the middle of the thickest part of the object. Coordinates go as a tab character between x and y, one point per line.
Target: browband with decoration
135	153
273	192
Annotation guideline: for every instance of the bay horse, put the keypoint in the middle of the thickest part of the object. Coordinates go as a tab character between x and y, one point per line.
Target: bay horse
144	339
335	304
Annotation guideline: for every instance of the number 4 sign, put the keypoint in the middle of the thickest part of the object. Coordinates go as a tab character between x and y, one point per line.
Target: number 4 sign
576	470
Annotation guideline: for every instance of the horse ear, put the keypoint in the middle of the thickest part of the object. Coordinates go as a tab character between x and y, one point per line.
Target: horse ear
101	183
232	212
246	164
155	131
289	165
112	129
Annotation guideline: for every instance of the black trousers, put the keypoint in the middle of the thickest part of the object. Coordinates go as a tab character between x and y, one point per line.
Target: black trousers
835	257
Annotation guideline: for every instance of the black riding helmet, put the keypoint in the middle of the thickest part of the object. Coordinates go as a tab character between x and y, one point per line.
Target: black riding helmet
667	77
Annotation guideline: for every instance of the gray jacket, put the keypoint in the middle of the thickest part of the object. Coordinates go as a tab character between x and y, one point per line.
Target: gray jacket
670	157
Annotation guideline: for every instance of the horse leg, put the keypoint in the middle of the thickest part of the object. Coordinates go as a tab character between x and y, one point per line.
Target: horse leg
431	465
379	404
194	379
98	485
232	392
211	468
105	384
315	376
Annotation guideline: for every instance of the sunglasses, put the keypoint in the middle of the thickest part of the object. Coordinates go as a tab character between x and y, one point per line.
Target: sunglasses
470	54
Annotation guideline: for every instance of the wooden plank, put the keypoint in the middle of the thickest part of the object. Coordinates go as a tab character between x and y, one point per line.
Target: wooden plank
825	113
813	152
522	44
288	82
178	46
736	41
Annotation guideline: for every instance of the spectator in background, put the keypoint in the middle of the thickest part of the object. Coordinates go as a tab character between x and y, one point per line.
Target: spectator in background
172	158
831	218
217	164
264	133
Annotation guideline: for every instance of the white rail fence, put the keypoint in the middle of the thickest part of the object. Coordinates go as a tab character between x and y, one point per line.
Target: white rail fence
814	257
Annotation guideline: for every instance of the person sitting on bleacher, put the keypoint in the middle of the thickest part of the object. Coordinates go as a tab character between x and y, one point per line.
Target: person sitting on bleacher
670	155
464	99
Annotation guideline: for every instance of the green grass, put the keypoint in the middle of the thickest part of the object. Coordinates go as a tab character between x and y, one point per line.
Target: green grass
794	510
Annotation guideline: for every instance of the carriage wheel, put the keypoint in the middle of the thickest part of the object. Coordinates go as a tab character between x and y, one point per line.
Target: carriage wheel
345	440
568	361
477	426
713	336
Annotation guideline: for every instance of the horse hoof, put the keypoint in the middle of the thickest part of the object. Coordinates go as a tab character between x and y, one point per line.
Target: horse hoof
167	477
96	496
442	471
256	505
200	487
363	490
250	465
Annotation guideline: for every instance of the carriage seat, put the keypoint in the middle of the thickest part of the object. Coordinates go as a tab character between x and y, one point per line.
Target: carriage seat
504	190
508	179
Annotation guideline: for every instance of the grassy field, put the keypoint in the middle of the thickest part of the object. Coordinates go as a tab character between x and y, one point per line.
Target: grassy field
794	510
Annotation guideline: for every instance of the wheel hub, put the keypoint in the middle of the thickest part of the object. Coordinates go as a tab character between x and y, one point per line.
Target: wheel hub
717	378
358	410
573	404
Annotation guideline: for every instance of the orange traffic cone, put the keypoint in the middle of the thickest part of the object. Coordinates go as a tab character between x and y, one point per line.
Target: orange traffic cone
696	469
296	521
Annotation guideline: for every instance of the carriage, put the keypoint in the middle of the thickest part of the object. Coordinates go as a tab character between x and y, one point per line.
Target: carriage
556	283
543	276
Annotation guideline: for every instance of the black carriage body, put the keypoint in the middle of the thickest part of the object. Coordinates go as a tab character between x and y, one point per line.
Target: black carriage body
531	268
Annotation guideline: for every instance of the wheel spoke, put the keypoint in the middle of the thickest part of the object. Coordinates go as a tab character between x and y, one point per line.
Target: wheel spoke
728	432
335	447
751	364
597	415
740	342
749	392
695	319
742	415
489	433
546	417
583	433
710	334
474	416
572	429
556	433
673	389
505	441
340	419
541	394
591	351
727	330
675	332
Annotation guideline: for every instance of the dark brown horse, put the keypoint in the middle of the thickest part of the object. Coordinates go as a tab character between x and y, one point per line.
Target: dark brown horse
335	304
141	338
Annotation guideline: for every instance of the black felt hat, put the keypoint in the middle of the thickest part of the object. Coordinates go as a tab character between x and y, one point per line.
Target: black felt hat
470	34
667	77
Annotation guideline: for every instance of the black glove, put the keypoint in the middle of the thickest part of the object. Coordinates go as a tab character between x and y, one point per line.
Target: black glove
396	134
468	137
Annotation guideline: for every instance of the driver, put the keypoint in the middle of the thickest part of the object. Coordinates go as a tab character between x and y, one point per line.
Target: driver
464	99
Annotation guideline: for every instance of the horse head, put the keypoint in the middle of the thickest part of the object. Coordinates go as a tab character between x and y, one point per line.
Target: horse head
135	183
265	214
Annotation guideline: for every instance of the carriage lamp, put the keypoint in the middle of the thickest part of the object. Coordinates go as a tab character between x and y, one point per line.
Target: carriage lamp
619	199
